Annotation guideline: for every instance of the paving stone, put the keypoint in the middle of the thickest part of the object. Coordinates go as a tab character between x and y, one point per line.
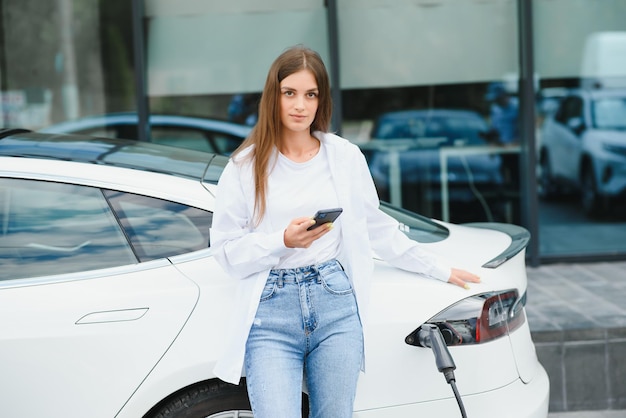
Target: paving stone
617	371
577	317
585	377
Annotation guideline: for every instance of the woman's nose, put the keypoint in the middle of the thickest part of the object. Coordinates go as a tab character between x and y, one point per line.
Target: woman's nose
299	103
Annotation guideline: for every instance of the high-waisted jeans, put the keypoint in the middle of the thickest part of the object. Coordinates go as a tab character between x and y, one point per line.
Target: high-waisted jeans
307	326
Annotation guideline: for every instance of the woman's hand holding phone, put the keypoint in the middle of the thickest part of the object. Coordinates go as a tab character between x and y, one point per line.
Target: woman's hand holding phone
301	232
325	216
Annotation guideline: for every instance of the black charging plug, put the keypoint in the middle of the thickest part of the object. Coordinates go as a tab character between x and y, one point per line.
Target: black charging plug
430	336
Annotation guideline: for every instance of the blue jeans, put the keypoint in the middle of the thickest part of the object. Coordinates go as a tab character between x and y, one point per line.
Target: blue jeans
306	327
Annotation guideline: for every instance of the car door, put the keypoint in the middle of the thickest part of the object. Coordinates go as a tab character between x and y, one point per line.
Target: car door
82	321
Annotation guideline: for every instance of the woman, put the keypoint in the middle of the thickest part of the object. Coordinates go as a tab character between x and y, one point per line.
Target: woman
303	295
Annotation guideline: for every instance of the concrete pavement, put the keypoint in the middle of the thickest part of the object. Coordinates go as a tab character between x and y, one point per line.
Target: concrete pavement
577	317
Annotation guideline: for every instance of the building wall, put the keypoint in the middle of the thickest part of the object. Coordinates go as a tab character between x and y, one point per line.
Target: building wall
393	55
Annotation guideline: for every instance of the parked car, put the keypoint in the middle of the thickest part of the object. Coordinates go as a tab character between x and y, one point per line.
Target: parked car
474	180
583	149
200	134
112	304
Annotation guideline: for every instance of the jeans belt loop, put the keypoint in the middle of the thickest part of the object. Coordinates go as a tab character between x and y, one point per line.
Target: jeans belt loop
280	280
318	276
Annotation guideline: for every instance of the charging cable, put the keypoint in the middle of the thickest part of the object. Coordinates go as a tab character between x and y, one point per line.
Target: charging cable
475	191
430	336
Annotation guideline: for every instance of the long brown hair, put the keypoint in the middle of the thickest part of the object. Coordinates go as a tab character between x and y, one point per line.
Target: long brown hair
267	130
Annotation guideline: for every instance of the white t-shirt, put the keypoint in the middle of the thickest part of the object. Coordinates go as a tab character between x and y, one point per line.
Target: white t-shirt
301	189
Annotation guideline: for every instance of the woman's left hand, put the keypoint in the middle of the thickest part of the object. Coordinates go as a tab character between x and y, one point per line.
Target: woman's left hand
462	278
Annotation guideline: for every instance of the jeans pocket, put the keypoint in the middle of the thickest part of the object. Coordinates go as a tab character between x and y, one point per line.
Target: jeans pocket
268	290
336	283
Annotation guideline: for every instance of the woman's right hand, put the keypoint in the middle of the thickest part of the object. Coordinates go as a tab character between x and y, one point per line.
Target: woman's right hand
297	236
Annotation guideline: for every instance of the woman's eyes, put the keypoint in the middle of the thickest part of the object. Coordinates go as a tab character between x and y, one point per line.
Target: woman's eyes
290	93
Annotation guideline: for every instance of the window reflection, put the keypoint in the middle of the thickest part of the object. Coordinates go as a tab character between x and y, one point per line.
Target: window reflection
581	135
52	228
610	113
159	228
415	226
404	154
394	56
82	66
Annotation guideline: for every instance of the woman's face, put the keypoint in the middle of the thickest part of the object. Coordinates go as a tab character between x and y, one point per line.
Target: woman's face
299	98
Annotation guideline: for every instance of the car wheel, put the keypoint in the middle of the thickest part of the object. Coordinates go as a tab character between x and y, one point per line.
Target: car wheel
546	187
214	399
591	201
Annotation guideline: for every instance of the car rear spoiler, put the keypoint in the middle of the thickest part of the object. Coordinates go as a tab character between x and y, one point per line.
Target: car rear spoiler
519	240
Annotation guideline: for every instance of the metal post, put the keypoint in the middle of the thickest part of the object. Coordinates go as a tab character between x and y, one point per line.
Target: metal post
333	41
527	128
69	89
4	122
139	53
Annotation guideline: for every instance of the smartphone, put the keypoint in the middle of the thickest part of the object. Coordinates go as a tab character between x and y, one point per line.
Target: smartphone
325	216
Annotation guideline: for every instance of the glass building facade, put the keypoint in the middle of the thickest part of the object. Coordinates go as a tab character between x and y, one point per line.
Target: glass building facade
467	110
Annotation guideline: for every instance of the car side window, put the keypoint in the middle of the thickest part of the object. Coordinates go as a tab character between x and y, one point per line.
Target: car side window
159	228
576	110
196	139
225	144
609	113
572	107
103	132
53	228
181	137
562	113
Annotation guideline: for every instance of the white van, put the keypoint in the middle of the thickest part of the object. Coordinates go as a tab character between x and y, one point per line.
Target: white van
604	60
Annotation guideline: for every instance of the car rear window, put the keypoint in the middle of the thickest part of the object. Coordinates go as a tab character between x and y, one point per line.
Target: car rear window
416	227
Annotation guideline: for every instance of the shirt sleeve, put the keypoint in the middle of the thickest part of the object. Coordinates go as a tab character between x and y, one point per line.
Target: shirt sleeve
237	245
390	243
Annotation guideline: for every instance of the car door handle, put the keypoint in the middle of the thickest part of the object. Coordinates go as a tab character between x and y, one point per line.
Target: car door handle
120	315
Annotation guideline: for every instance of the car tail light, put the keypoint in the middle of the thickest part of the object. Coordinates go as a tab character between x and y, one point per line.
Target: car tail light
478	319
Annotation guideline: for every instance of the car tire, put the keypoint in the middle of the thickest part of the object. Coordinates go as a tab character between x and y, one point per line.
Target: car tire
590	199
212	399
209	399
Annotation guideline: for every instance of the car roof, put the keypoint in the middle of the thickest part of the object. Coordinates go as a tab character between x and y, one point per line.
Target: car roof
427	113
179	162
127	118
402	119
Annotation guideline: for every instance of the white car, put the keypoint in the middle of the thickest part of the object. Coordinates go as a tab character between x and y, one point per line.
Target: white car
583	148
111	304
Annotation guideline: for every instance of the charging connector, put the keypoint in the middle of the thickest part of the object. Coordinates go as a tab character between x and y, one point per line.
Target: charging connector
429	335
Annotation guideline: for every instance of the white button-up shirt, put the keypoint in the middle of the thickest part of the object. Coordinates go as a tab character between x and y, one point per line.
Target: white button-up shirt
249	252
